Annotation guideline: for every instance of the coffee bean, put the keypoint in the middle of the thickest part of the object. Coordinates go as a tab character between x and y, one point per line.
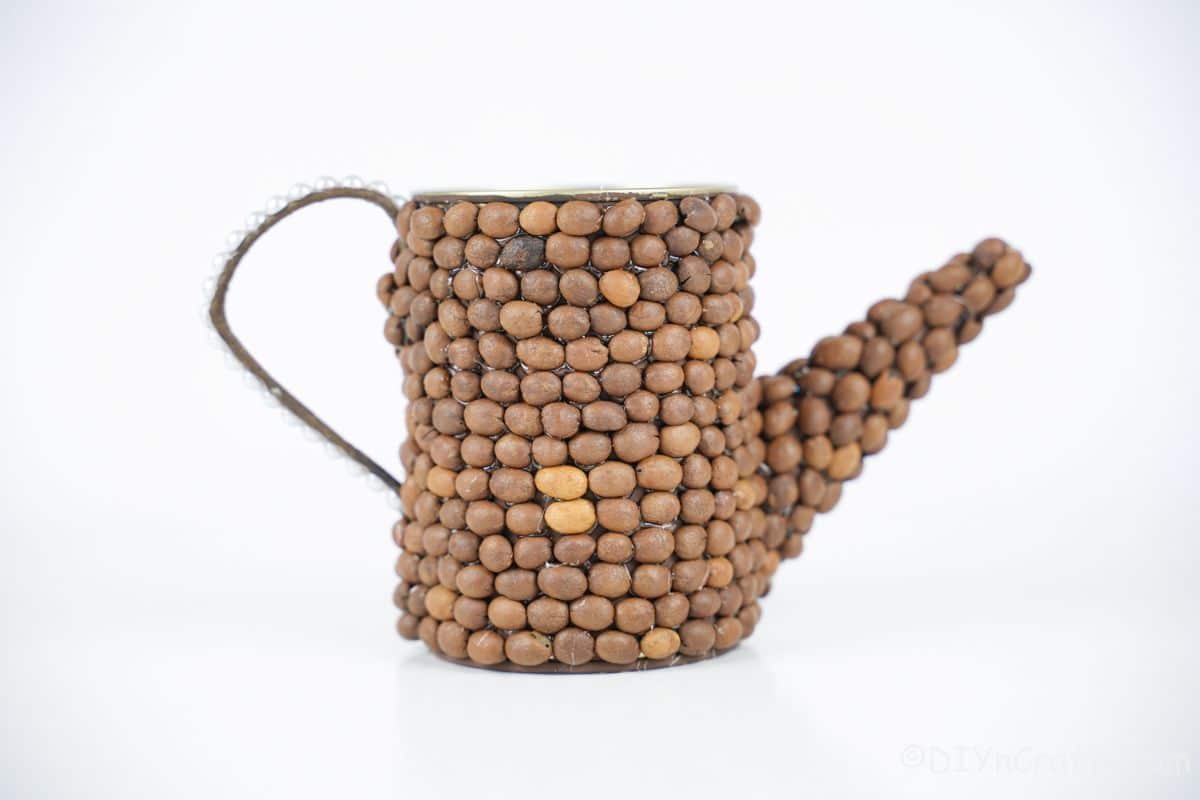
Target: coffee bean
522	252
571	516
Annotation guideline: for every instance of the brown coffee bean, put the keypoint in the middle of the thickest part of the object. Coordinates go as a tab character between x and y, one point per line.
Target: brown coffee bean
571	516
663	377
874	437
562	483
704	603
478	451
680	440
497	219
528	649
531	552
635	441
486	647
426	222
609	253
606	319
628	346
711	247
651	581
475	581
653	545
616	647
484	417
578	287
951	277
540	388
567	322
481	251
634	615
547	615
676	409
500	285
524	519
658	284
846	461
671	610
574	647
851	392
979	294
697	637
496	553
647	251
452	639
618	514
522	252
608	580
578	217
588	448
1009	270
698	214
614	548
541	353
646	316
641	405
660	643
815	416
660	508
560	420
538	218
681	241
439	602
697	505
603	415
523	420
562	582
624	218
586	354
620	288
448	253
506	614
838	352
903	323
566	251
941	348
659	472
441	481
472	484
592	613
521	319
942	309
684	309
459	219
661	216
695	275
612	479
886	391
729	631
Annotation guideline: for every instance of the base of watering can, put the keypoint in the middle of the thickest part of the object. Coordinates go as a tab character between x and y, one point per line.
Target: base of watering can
591	667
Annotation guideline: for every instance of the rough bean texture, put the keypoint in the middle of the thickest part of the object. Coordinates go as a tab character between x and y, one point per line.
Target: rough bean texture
593	473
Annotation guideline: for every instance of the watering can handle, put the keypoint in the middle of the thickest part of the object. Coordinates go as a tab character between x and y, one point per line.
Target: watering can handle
216	312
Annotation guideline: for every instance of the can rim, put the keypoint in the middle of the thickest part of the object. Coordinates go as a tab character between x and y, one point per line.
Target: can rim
593	194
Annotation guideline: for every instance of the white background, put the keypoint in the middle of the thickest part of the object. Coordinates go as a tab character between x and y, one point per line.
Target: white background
196	600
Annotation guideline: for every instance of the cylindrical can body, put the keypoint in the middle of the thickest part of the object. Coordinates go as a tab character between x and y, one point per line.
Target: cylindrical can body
584	462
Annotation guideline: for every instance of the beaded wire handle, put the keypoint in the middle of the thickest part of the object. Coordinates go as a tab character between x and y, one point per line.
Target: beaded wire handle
216	312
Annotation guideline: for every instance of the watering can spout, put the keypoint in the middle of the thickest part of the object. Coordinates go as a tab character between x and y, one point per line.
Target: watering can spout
823	414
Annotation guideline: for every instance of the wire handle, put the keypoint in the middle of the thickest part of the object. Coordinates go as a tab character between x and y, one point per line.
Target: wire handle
216	312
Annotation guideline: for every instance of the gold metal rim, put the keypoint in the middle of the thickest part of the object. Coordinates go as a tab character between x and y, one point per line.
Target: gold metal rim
561	194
